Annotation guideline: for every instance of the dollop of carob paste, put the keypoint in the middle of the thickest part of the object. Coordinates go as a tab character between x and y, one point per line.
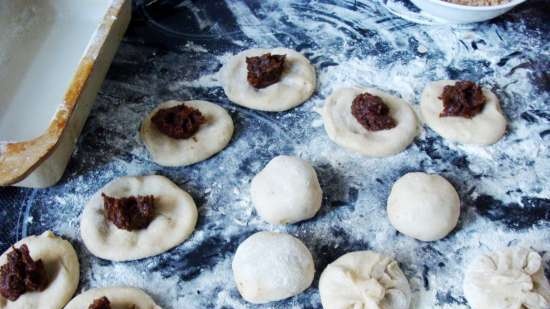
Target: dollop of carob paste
371	112
21	274
265	70
179	122
130	213
464	99
101	303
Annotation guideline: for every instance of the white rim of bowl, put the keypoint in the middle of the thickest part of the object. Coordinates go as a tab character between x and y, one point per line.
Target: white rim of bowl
477	8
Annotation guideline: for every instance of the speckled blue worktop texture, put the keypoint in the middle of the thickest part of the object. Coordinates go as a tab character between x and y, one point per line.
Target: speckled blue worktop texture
173	50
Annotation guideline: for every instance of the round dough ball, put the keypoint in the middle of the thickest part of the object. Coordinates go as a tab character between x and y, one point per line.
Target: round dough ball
484	128
62	268
364	279
512	278
272	266
296	85
175	219
423	206
286	191
119	297
212	137
343	129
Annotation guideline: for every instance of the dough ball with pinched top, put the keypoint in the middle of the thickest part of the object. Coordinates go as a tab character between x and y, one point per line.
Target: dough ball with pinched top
512	278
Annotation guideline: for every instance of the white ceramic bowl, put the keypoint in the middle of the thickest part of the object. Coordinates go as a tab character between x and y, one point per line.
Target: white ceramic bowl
463	14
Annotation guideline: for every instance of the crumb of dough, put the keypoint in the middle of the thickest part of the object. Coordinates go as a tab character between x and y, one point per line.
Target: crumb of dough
478	2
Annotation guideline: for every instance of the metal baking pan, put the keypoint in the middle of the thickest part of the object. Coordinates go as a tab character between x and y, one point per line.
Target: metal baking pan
54	55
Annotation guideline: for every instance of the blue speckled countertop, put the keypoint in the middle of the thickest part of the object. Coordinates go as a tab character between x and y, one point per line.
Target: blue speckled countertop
173	50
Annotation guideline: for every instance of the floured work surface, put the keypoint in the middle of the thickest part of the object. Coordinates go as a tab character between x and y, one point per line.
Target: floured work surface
172	51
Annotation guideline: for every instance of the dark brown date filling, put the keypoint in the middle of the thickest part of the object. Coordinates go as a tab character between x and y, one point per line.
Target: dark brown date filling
179	122
130	213
371	112
464	99
21	274
101	303
264	70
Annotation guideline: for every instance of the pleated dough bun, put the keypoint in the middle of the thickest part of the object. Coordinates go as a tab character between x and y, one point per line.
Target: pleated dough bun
119	297
364	279
175	219
62	270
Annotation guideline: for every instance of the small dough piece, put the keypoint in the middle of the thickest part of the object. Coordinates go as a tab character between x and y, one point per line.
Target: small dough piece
484	128
343	129
120	298
512	278
364	279
175	219
296	85
212	137
62	268
286	191
423	206
272	266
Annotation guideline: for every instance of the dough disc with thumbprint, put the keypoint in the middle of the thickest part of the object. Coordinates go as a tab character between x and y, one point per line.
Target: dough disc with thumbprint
117	297
364	279
272	266
59	273
423	206
193	133
137	217
278	89
388	124
483	127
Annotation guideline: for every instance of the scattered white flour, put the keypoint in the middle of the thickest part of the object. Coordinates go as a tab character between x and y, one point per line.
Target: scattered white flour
352	44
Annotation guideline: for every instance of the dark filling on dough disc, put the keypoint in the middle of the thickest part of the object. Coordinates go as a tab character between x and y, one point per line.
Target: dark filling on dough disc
371	112
264	70
464	99
101	303
179	122
130	213
21	274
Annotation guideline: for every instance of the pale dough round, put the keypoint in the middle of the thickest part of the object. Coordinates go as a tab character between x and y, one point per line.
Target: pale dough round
119	297
423	206
343	129
62	268
512	278
484	128
364	279
296	85
175	219
286	191
272	266
212	137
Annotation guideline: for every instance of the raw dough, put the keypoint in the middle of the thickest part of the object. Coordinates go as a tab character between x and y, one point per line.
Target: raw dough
62	268
286	191
176	216
484	128
423	206
272	266
343	129
364	279
211	138
120	298
296	85
512	278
